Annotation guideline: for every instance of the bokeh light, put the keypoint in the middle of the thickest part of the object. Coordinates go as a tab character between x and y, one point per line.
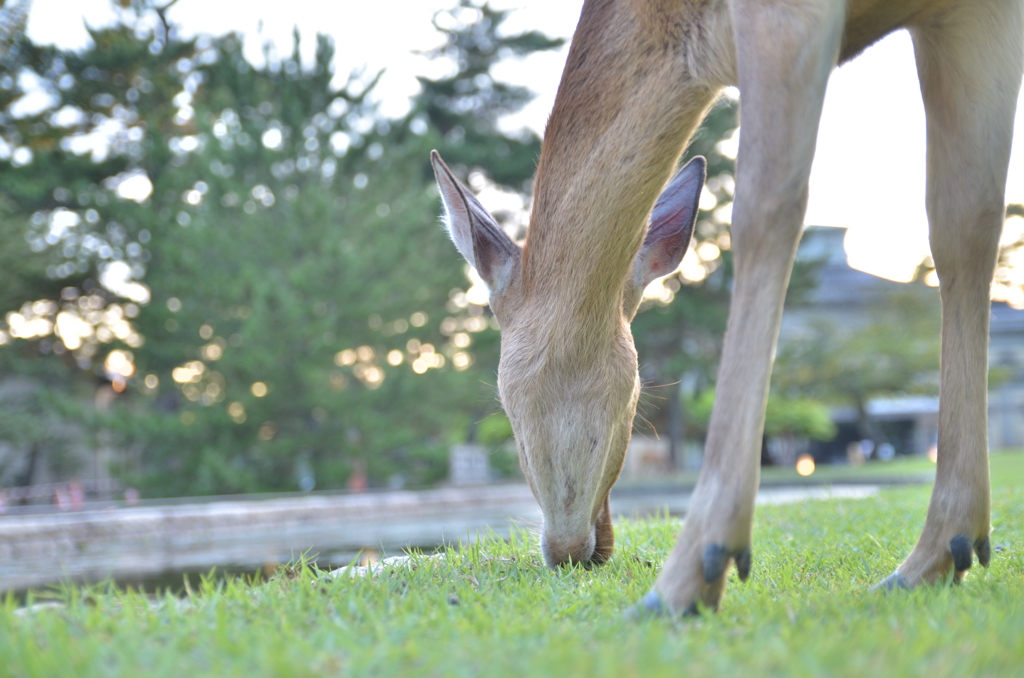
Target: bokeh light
805	465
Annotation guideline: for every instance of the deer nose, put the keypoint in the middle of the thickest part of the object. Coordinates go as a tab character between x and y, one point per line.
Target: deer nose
564	551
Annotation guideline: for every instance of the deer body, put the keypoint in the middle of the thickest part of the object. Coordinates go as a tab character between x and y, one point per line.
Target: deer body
640	76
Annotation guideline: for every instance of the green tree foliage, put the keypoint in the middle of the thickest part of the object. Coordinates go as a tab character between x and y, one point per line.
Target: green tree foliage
784	416
249	255
679	330
464	108
33	420
896	352
680	326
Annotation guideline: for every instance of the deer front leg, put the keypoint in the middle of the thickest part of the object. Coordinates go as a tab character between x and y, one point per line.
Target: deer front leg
785	53
970	64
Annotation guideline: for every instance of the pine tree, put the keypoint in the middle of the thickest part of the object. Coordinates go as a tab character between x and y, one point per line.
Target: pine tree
463	110
253	262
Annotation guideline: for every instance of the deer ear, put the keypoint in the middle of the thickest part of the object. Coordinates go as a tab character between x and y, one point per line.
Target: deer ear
671	224
475	233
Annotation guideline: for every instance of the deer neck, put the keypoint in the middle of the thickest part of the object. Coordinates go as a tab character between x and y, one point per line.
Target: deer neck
627	106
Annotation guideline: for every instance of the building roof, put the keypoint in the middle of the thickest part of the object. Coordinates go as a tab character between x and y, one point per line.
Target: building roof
845	296
839	284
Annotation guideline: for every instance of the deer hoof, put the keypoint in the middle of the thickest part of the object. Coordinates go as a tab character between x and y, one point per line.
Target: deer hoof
653	605
716	560
893	581
743	563
983	547
960	549
650	605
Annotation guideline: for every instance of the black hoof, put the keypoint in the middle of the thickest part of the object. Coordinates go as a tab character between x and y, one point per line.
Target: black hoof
893	581
716	557
960	549
983	547
650	605
743	564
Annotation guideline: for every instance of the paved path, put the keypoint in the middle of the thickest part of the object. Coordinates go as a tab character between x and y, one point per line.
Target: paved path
148	541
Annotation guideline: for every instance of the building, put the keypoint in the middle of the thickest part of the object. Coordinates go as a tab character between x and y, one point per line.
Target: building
847	297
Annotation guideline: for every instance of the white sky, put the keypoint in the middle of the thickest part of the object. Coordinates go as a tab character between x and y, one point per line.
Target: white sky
869	169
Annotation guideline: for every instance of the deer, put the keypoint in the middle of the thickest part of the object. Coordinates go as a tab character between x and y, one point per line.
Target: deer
610	214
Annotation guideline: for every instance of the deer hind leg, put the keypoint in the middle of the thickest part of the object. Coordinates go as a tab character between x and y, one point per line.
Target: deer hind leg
970	64
785	53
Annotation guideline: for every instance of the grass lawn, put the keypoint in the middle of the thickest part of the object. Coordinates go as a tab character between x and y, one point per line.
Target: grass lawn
912	469
492	609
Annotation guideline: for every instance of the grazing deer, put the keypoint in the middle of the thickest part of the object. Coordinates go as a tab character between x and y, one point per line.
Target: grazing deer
639	78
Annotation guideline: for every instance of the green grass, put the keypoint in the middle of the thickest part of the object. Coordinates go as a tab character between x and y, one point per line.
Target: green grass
909	468
492	609
900	469
912	469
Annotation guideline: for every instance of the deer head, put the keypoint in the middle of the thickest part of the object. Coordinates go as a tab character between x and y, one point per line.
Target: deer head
567	376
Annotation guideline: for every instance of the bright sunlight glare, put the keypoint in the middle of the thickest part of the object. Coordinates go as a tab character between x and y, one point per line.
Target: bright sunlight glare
869	167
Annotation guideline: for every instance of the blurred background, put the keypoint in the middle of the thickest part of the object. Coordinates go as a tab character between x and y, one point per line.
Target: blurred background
223	271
